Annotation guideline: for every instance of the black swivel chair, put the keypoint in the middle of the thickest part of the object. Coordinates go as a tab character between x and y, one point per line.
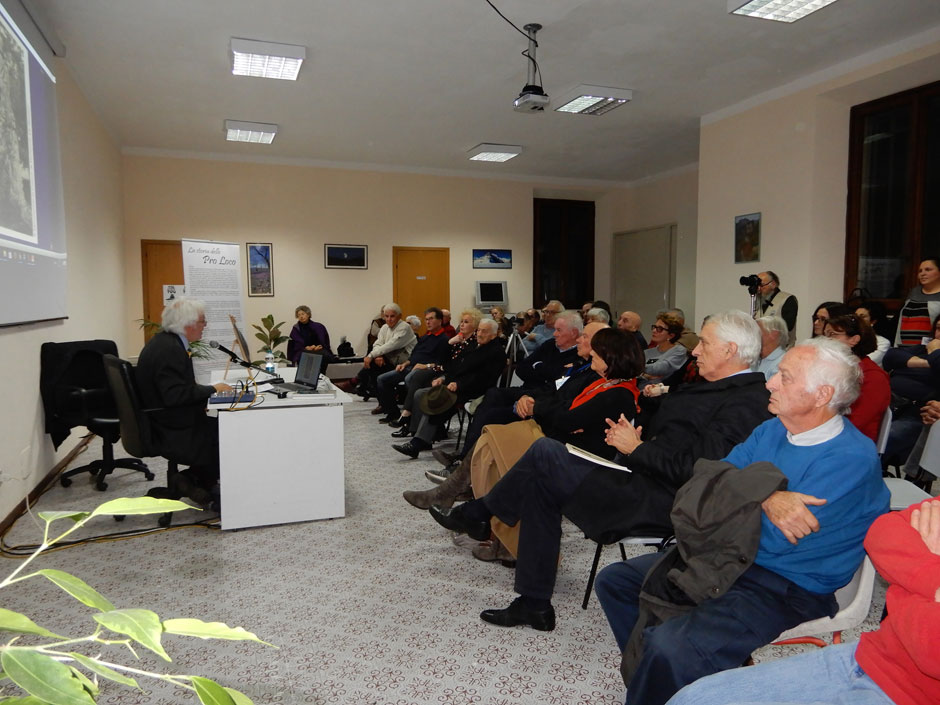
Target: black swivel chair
136	427
75	393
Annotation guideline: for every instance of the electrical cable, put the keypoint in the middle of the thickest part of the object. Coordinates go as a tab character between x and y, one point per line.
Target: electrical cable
525	52
509	21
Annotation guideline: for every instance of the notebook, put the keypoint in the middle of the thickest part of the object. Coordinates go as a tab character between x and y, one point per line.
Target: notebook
307	377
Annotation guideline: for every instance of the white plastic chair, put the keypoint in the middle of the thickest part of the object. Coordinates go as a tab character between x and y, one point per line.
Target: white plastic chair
883	431
904	493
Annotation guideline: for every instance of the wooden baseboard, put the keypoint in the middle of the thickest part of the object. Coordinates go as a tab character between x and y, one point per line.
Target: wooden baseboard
44	483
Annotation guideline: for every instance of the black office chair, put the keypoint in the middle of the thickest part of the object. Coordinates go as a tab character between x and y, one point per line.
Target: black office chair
135	425
75	393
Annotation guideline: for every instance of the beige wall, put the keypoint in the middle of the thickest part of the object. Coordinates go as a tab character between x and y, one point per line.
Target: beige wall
788	159
91	175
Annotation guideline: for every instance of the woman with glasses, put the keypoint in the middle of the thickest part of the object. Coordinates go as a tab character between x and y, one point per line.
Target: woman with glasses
922	305
873	313
825	311
665	355
875	395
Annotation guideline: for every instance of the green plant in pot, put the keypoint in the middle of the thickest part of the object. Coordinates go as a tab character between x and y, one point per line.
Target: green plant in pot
271	337
52	669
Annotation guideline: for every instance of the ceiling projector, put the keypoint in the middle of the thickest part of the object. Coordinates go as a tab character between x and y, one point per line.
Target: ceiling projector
532	99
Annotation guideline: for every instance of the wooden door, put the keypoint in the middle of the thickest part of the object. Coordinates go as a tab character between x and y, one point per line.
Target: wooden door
161	263
420	279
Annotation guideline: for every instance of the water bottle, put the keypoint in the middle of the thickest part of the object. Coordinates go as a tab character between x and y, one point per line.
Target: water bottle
269	365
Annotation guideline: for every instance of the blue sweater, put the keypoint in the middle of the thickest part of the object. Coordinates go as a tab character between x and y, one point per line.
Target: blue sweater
846	472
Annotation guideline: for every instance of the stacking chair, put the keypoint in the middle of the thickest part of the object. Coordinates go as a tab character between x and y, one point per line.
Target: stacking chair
659	542
75	392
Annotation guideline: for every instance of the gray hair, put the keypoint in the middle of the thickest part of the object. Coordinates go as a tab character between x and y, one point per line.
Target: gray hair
598	314
737	327
572	319
181	313
775	323
395	308
490	324
413	321
835	366
561	306
305	309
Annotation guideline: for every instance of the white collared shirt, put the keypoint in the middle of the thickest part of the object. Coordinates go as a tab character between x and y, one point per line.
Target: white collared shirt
822	433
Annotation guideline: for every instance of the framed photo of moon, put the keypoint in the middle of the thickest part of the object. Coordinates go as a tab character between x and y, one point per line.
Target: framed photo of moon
346	256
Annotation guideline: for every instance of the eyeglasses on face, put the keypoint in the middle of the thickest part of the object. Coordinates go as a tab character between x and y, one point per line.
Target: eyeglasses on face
658	329
824	319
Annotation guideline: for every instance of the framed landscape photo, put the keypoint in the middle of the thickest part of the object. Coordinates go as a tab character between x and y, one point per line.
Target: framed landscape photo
346	256
260	269
492	259
747	238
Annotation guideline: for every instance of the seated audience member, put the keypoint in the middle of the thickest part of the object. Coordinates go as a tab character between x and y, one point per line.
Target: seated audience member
825	311
472	373
922	305
449	330
499	315
394	343
688	339
597	314
666	355
550	360
460	342
374	327
913	472
631	321
896	664
763	558
181	429
874	313
543	331
701	421
308	335
414	322
431	350
875	393
773	344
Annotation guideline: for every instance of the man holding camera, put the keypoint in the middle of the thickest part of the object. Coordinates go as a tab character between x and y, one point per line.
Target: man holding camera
776	302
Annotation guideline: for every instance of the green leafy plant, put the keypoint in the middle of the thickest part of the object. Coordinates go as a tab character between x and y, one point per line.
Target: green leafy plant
271	337
53	671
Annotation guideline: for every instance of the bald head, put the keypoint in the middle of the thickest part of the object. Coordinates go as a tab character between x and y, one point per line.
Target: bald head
584	340
629	320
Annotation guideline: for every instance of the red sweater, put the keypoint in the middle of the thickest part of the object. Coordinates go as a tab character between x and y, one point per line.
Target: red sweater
903	656
873	399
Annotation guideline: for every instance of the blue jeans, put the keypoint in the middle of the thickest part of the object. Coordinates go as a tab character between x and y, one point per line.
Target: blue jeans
828	675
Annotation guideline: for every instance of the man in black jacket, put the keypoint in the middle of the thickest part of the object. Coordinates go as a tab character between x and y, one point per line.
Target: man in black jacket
703	421
182	430
540	369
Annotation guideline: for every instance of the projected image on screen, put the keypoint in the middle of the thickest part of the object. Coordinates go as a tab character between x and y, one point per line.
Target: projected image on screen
17	218
33	283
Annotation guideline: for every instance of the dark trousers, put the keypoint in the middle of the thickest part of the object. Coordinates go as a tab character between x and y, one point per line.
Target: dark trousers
496	408
386	385
534	491
196	446
714	636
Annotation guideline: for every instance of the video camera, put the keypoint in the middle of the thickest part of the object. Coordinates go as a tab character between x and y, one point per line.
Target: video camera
752	282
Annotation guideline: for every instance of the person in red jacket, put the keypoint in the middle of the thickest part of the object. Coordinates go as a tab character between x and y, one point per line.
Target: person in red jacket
898	663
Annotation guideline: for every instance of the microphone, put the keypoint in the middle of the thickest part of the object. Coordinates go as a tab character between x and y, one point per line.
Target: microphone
215	344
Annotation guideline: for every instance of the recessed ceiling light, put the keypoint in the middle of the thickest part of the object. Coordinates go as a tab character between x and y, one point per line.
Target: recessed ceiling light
593	100
494	152
266	59
239	131
778	10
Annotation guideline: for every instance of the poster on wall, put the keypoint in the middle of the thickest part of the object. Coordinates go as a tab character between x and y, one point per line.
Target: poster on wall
212	273
492	259
260	269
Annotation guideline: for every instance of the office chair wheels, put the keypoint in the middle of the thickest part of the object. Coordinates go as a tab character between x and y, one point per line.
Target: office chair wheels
101	486
164	520
65	481
119	517
149	475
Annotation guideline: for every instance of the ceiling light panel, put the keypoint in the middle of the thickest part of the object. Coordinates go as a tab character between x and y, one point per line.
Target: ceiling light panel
777	10
486	152
593	100
267	59
258	132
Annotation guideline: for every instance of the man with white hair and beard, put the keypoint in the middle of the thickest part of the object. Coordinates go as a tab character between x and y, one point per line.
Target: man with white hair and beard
812	483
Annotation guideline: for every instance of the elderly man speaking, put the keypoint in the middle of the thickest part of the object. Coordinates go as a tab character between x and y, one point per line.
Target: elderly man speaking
813	484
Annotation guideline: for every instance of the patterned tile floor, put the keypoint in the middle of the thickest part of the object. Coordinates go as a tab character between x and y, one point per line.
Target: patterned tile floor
380	607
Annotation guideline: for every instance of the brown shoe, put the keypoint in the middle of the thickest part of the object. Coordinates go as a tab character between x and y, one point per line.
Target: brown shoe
377	410
446	493
493	550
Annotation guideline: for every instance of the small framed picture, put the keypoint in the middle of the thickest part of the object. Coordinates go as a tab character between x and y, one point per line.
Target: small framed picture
346	256
260	269
747	238
492	259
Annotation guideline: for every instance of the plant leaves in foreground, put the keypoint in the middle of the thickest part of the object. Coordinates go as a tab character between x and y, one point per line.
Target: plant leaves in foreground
77	588
139	505
143	626
208	630
44	677
103	670
11	621
210	692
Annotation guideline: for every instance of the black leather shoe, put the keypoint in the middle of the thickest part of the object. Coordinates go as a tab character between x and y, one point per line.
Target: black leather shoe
399	422
403	432
409	448
389	419
517	613
454	520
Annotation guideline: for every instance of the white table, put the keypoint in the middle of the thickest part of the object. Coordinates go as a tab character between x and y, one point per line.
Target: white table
281	461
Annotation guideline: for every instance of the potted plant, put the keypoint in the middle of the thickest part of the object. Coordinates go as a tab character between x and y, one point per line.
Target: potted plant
271	338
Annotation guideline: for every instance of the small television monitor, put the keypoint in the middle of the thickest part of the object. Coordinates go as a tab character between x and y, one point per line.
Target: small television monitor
492	294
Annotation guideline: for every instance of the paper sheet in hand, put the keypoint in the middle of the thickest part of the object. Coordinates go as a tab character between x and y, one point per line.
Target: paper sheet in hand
574	450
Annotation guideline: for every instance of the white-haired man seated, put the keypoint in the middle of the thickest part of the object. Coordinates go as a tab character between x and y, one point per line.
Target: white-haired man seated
774	340
804	489
181	429
704	420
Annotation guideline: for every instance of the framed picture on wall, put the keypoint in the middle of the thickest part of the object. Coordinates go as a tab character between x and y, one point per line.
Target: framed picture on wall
346	256
492	259
747	238
260	269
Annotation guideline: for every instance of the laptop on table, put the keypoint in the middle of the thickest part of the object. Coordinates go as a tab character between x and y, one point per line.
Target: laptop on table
307	377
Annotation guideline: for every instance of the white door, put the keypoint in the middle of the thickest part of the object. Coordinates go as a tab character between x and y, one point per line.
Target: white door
643	272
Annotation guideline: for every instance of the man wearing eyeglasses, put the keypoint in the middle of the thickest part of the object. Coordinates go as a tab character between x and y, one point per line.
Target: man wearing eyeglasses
776	302
546	329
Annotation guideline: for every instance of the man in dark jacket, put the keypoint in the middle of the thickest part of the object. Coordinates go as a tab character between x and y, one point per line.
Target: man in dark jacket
540	369
704	421
166	381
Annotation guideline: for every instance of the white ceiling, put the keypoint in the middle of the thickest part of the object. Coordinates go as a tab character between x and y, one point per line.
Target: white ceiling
414	84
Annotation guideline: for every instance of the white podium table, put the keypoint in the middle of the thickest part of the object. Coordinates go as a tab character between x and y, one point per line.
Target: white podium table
281	461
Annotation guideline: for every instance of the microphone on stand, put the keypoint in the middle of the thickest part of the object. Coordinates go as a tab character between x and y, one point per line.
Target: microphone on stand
215	344
236	359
